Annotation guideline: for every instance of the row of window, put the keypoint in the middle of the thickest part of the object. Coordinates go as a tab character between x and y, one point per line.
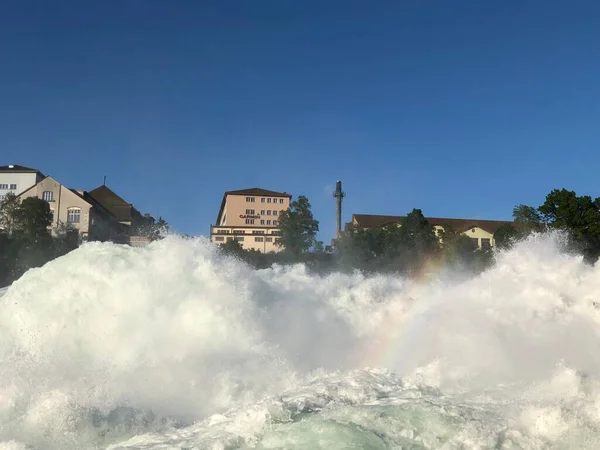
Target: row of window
264	200
273	232
12	187
241	239
262	222
251	212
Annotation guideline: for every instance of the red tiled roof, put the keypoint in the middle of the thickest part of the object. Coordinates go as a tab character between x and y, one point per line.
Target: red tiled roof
459	225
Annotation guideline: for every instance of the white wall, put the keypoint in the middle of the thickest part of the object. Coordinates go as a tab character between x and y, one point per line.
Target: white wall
23	181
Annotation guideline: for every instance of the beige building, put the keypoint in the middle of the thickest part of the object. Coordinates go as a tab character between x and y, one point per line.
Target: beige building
76	209
14	179
250	216
481	231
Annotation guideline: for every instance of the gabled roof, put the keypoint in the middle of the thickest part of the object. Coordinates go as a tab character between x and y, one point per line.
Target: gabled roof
120	208
259	191
252	192
15	168
83	195
459	225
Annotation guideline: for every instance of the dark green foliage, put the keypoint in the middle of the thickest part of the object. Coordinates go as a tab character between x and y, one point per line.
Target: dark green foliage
25	241
506	235
298	227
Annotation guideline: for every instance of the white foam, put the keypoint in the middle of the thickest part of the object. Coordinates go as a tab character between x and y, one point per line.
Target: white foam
112	342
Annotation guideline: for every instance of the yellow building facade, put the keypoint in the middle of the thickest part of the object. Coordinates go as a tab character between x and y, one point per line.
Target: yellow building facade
250	217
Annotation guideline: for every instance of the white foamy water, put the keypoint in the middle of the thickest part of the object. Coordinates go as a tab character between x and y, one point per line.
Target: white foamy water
173	346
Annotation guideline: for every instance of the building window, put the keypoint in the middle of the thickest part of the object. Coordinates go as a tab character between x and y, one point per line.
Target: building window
268	222
229	238
13	187
262	222
238	231
280	200
274	222
258	239
3	186
486	243
249	221
274	213
276	233
219	238
250	199
250	212
74	215
268	213
222	231
258	232
269	200
48	196
262	200
262	212
268	239
239	238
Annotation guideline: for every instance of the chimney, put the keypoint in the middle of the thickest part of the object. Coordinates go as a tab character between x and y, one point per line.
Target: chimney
338	195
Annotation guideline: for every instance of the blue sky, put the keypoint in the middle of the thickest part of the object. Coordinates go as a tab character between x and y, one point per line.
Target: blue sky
460	108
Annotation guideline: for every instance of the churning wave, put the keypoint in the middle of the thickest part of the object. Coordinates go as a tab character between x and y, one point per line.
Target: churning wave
173	346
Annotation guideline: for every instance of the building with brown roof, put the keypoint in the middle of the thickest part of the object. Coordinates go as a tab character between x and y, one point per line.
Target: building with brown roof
76	209
480	230
250	216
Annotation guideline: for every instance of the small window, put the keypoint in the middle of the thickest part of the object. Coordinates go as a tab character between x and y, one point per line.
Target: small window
229	238
269	200
280	200
262	222
268	239
274	213
258	239
250	212
73	215
249	221
238	231
239	238
219	238
48	196
258	232
486	243
250	199
13	187
262	212
3	186
274	222
262	200
268	222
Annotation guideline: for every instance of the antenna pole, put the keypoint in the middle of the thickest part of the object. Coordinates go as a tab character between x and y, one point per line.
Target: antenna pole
338	195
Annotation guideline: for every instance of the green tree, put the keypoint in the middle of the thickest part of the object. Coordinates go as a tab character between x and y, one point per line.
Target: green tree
506	235
528	219
8	212
298	227
32	219
564	210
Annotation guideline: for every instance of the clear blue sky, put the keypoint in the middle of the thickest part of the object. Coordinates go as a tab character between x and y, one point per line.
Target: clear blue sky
460	108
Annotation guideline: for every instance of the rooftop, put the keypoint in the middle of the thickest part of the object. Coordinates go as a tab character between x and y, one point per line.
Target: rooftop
17	168
374	221
258	191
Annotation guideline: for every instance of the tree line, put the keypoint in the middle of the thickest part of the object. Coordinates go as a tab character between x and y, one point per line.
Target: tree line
413	245
26	240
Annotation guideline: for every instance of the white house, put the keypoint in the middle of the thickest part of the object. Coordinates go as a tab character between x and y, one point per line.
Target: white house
17	179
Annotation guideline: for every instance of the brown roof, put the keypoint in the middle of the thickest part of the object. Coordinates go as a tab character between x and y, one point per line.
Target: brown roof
459	225
252	192
259	191
18	169
121	209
